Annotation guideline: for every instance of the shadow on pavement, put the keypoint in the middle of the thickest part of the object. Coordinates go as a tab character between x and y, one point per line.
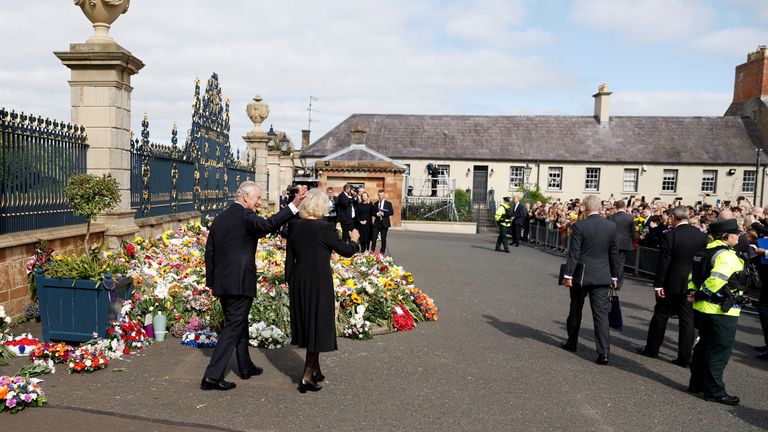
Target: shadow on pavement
756	417
626	364
287	361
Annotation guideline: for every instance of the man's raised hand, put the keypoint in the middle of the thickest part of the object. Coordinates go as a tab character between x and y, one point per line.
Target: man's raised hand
300	196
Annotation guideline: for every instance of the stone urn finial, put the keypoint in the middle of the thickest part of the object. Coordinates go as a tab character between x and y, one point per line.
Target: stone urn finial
102	13
257	111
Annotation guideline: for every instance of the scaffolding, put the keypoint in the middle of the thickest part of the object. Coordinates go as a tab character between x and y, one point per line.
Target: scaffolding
435	194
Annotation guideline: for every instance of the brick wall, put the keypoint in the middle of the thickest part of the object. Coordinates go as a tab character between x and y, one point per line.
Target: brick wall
14	286
751	78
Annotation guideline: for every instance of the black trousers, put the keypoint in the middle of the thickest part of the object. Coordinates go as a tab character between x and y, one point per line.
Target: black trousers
526	230
379	229
365	236
711	354
502	238
516	233
672	304
233	337
346	227
762	310
600	305
622	260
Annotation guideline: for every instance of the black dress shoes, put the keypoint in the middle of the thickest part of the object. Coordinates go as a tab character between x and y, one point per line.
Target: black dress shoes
645	352
318	376
568	346
602	359
725	400
214	384
761	348
678	362
252	371
305	386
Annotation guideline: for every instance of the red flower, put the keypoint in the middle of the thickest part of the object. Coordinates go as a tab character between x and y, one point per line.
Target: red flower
126	351
130	249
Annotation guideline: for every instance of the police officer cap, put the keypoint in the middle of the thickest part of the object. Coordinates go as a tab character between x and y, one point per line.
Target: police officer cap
725	226
506	199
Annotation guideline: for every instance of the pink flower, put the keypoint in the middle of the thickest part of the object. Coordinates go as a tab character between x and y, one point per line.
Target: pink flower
10	403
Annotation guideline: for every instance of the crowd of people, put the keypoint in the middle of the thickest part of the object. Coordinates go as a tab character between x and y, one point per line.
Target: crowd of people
710	258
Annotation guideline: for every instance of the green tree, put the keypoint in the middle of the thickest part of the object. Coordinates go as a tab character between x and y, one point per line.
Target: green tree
89	195
533	195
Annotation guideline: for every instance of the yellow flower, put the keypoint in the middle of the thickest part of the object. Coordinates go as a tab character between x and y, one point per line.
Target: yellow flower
351	284
355	298
138	239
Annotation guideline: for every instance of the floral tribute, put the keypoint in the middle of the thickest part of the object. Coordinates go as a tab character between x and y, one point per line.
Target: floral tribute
169	276
85	360
57	353
21	345
5	322
17	393
199	339
402	319
127	336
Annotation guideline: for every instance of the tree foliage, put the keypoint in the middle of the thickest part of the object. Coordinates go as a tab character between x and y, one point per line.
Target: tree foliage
89	195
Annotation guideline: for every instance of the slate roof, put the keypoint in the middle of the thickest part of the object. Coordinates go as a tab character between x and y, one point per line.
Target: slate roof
667	140
361	153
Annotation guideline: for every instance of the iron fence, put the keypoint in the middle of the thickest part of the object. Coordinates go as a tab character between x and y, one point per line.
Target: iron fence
37	157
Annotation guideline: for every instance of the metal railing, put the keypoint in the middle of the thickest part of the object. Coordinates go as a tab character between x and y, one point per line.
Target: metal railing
37	157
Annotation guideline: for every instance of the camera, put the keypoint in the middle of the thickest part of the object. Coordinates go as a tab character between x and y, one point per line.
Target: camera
292	191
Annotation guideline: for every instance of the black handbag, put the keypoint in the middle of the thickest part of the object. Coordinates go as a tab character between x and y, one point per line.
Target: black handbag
615	320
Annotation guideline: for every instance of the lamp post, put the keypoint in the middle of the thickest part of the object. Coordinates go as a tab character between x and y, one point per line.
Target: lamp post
757	170
527	173
284	142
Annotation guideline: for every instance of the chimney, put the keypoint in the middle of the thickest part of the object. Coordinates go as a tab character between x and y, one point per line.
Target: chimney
304	139
752	76
602	104
359	135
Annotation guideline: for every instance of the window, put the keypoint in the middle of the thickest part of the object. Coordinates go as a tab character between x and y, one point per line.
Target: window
515	177
748	183
593	179
669	180
555	178
709	181
444	173
630	180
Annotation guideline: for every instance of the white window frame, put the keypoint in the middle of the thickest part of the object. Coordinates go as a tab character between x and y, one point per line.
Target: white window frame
709	181
516	173
592	179
672	180
745	182
635	179
558	172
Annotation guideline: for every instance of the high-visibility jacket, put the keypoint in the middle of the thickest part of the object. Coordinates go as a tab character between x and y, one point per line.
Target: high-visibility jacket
726	263
501	215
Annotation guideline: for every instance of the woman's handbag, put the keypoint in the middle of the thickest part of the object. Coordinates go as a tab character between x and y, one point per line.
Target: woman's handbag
614	316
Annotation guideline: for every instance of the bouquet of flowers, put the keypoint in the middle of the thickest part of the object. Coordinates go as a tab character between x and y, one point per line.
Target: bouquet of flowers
266	336
5	321
17	393
56	353
358	327
130	334
40	259
199	339
84	360
402	319
21	345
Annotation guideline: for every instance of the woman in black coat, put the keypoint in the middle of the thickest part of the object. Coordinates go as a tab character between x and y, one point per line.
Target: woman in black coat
310	280
364	217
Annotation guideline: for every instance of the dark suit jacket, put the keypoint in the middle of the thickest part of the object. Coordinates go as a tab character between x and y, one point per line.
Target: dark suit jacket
593	243
520	214
344	206
230	251
678	246
625	230
388	211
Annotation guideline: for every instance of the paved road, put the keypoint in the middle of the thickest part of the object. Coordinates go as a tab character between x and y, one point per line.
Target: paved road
492	362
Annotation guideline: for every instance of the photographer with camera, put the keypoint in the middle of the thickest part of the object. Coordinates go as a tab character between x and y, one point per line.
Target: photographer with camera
346	211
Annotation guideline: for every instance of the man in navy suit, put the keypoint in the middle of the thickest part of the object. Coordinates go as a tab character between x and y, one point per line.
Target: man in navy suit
625	232
593	247
230	271
383	210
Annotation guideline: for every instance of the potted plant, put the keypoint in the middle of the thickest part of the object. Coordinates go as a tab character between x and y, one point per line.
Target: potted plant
78	295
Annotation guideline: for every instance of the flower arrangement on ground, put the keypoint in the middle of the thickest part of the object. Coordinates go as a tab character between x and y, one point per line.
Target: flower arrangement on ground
85	360
5	322
128	335
357	327
266	336
17	393
200	339
21	345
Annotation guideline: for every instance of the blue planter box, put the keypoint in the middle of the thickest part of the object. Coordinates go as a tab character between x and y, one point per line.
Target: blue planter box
72	310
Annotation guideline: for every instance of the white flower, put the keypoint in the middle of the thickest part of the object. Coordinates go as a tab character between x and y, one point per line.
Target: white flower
360	310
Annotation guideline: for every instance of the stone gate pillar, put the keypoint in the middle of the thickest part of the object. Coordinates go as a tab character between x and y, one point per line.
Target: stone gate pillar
100	83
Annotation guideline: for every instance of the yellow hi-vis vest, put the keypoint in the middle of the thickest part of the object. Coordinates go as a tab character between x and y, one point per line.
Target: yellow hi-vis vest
500	215
727	262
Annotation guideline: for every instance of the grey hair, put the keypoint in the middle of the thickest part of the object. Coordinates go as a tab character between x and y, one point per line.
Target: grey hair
592	203
246	188
314	205
680	213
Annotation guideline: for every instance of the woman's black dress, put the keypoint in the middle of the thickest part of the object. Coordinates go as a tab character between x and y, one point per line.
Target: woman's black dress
365	213
310	281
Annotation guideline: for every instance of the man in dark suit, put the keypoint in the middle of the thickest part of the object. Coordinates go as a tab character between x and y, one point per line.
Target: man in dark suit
593	249
519	216
625	232
383	210
230	271
678	246
345	211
